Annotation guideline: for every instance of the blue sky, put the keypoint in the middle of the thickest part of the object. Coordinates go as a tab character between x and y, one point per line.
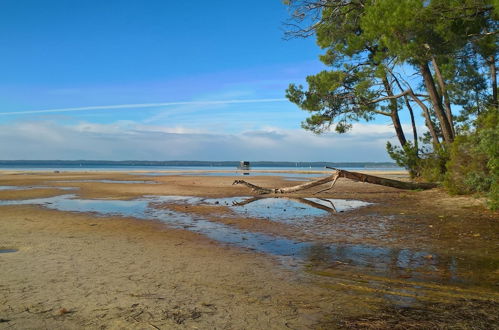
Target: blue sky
207	57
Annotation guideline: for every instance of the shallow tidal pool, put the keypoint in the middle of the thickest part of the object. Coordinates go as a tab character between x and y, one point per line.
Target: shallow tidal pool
417	265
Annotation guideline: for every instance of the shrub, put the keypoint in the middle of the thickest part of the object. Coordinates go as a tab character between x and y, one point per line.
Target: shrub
473	165
470	165
426	164
406	157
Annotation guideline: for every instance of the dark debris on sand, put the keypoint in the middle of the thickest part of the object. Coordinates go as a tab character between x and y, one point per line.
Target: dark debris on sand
463	314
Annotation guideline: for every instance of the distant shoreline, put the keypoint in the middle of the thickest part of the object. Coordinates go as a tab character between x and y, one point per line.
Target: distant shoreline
183	163
303	173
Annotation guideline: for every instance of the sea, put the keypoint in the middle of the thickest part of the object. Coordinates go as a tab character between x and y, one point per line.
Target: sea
74	167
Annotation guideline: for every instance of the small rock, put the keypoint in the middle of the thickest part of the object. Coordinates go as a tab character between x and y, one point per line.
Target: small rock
63	311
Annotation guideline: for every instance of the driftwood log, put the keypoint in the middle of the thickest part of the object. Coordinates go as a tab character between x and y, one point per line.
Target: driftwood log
356	176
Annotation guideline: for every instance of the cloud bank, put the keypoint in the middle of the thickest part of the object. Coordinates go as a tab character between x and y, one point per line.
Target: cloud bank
132	141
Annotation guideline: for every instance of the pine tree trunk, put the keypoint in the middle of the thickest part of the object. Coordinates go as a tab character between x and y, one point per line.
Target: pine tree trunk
394	113
493	78
427	117
411	113
413	123
445	95
437	104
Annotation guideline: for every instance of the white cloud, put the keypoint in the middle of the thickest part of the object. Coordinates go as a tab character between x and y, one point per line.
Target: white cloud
127	140
146	105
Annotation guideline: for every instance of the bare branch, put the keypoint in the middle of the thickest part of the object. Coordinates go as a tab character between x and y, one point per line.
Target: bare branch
389	97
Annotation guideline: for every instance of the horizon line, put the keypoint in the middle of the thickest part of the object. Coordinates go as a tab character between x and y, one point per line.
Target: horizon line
89	162
143	105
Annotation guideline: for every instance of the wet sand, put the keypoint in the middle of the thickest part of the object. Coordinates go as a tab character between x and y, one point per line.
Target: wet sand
430	260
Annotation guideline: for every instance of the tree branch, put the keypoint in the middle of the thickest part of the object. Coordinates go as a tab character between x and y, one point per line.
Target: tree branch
389	97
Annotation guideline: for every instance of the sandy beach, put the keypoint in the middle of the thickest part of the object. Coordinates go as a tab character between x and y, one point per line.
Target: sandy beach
405	259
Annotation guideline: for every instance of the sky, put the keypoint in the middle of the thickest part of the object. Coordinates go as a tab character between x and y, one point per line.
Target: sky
161	80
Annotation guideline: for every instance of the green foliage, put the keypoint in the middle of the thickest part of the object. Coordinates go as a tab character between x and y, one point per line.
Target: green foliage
343	94
467	85
470	166
334	96
415	30
424	163
494	197
474	160
406	157
432	165
365	40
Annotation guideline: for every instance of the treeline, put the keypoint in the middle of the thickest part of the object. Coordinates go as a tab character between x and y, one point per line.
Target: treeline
194	163
431	58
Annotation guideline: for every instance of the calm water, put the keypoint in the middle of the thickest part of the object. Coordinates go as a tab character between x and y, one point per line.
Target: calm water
8	250
286	209
169	168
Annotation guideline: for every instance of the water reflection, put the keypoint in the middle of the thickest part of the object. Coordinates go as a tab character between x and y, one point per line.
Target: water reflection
404	264
287	209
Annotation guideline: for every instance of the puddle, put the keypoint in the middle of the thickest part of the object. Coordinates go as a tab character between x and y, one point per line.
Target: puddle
283	209
142	209
109	181
382	261
13	188
280	209
34	187
8	250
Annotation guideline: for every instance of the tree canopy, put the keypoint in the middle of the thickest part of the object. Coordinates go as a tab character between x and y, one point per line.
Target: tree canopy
388	56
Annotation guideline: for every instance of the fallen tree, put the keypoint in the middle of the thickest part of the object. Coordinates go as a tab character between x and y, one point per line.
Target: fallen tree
355	176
